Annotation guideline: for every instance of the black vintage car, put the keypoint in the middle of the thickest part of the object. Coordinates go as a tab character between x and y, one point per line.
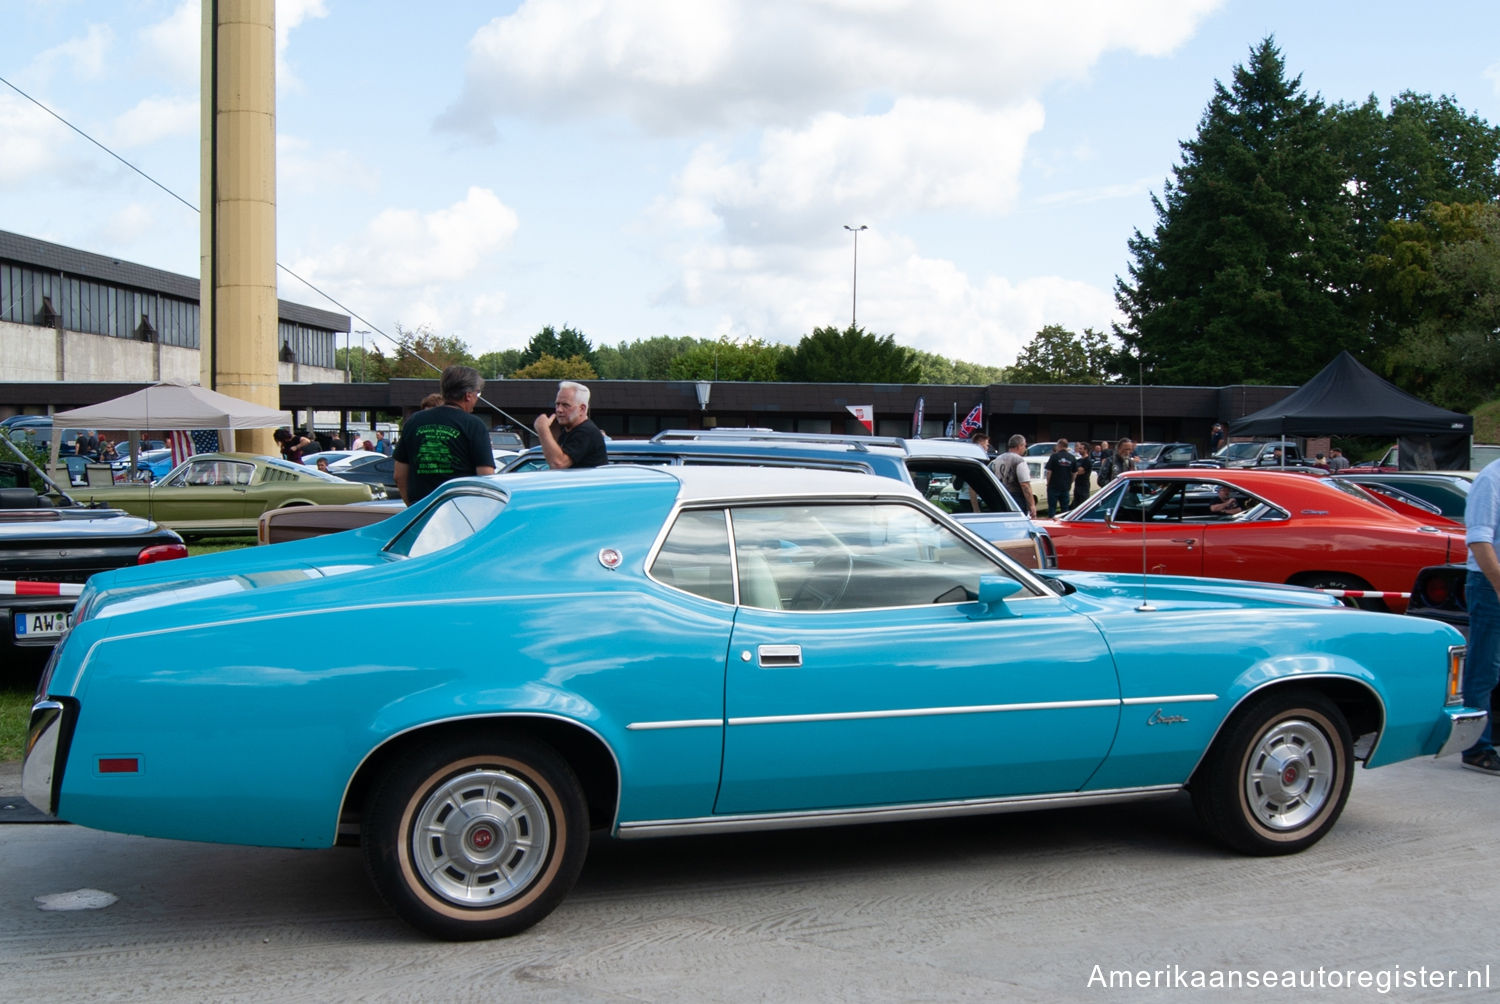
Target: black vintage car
47	552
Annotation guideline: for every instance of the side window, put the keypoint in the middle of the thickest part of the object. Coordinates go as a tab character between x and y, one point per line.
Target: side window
851	557
695	556
449	522
959	486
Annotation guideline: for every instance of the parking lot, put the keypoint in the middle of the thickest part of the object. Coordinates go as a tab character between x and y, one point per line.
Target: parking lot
1016	908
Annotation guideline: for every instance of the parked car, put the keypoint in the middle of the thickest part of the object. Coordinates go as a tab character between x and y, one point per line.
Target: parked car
1151	456
695	650
1446	491
1440	593
1248	454
225	493
947	472
44	547
1319	532
369	469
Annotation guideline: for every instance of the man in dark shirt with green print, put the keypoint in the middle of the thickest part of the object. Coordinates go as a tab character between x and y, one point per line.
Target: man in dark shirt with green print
444	442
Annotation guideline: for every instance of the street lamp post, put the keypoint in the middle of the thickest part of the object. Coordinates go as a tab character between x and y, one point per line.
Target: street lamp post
854	296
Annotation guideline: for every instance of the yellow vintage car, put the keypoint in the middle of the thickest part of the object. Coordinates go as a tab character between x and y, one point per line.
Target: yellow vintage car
225	493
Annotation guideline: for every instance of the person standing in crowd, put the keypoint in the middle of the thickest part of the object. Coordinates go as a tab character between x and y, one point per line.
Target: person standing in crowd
1116	463
294	447
1482	665
981	440
1059	471
1084	466
1216	438
445	442
1336	459
568	437
431	401
382	445
1010	467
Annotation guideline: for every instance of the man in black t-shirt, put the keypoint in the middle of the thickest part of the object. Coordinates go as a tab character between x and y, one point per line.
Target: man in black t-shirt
568	437
1060	467
445	442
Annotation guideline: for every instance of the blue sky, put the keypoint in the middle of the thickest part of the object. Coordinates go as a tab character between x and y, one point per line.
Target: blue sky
686	167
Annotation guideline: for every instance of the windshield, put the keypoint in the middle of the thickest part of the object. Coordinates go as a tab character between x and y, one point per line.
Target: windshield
1148	451
1239	451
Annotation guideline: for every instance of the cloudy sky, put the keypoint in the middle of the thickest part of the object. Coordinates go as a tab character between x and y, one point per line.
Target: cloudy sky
687	167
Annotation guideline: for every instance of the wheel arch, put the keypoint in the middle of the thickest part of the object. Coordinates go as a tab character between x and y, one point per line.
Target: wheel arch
585	751
1358	701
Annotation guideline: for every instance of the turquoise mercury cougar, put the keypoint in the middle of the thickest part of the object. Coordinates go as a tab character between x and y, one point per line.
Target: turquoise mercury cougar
661	651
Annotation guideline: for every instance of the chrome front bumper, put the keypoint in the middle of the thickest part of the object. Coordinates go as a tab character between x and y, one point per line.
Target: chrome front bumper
42	767
1464	727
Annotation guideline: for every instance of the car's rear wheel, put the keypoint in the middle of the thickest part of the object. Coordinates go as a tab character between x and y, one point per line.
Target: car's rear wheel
476	838
1277	777
1336	580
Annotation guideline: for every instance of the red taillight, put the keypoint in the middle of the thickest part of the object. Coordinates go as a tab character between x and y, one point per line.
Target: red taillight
1436	591
161	552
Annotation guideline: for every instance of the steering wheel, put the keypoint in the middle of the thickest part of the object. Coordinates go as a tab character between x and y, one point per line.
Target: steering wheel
825	584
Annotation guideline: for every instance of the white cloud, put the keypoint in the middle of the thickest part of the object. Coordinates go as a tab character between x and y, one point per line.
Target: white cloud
308	167
675	65
174	45
289	15
32	142
154	119
400	265
127	226
83	57
1492	74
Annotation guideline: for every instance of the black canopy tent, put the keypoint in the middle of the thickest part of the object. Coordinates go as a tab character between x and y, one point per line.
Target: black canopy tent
1347	399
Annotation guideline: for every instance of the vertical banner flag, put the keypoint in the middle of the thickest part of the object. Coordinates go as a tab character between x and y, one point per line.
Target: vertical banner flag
865	413
916	419
973	423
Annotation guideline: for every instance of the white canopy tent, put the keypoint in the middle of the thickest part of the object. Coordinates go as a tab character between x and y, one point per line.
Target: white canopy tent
171	404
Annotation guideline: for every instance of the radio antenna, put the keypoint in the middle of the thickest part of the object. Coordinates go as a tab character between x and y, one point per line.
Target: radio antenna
1140	384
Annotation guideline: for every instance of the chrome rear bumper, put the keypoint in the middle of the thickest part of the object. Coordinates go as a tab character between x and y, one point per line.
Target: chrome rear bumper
1464	727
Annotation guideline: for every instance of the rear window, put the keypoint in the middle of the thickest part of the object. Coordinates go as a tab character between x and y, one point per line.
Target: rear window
450	521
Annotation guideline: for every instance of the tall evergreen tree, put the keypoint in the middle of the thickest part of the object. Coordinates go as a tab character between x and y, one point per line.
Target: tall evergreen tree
829	355
564	344
1248	273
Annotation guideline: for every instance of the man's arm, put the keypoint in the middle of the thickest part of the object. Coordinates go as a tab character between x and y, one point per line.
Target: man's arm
556	458
401	470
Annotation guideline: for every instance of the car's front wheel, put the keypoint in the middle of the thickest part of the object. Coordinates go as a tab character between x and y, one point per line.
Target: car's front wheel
476	838
1277	777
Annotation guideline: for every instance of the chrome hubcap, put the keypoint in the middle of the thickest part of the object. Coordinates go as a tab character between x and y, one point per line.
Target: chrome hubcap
1289	775
480	838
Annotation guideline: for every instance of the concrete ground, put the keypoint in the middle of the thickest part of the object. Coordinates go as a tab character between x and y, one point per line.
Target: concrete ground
1013	908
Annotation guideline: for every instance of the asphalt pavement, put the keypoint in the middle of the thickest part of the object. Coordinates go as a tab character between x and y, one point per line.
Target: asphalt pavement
1111	903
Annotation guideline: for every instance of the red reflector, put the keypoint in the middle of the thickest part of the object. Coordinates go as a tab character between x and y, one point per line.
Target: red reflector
119	765
1435	591
161	552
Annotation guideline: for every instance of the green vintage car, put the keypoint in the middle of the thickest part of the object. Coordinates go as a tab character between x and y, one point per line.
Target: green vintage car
225	493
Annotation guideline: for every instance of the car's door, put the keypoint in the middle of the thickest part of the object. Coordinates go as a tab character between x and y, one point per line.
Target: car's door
204	492
1140	525
859	673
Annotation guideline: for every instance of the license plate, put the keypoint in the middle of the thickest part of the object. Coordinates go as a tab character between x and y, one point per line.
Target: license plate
43	623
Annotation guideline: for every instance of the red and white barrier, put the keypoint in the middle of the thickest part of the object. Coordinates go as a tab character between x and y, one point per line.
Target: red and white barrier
1365	594
10	587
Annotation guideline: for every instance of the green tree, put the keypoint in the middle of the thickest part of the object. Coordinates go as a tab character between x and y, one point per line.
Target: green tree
751	360
552	368
1249	272
1057	355
938	369
1440	279
643	359
562	344
829	355
419	353
495	365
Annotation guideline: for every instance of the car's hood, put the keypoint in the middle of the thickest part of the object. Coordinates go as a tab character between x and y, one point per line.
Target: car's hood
1183	592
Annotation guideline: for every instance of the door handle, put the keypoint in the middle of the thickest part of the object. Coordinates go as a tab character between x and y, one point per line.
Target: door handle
1189	541
779	656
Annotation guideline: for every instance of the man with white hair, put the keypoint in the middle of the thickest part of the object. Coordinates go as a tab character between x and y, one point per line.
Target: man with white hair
568	437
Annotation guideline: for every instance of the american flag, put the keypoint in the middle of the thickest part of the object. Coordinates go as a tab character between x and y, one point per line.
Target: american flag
974	422
184	444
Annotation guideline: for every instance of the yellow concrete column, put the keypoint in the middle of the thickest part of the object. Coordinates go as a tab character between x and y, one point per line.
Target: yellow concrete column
239	316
